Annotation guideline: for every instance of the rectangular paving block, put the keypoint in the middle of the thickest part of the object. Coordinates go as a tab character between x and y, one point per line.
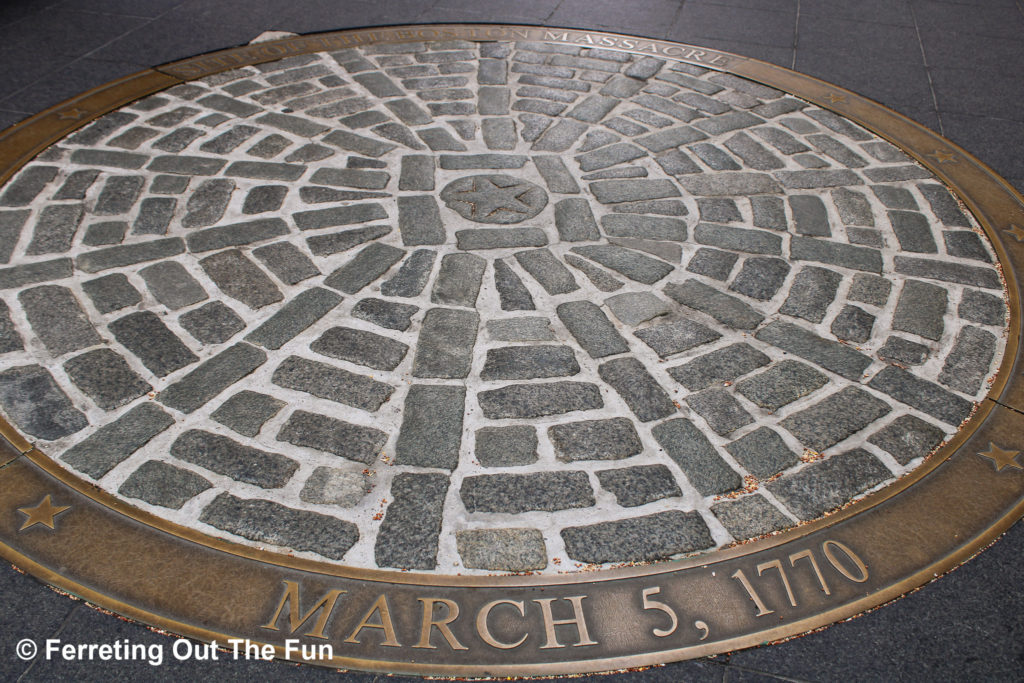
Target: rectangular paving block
293	317
431	431
172	285
839	358
926	396
417	172
323	433
628	262
57	319
639	539
241	279
609	439
811	293
130	254
947	271
512	293
722	365
724	308
720	410
103	157
334	242
369	264
145	335
518	493
185	165
458	280
212	377
836	254
287	262
835	418
54	229
113	443
547	270
358	143
641	392
419	220
738	239
232	459
234	235
644	227
632	190
921	309
591	328
445	345
704	468
331	383
553	169
360	347
527	401
408	536
35	403
826	484
529	362
339	215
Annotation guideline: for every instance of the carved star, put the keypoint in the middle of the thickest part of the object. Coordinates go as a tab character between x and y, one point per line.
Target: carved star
1001	458
834	98
487	198
1016	231
943	156
73	114
42	513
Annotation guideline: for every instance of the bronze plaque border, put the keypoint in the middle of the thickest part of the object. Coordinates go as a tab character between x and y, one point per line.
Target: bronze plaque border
873	551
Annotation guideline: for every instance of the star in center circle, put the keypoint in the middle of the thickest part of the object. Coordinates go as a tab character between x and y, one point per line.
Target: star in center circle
495	198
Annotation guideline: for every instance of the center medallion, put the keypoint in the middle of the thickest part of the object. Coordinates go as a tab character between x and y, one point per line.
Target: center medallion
498	199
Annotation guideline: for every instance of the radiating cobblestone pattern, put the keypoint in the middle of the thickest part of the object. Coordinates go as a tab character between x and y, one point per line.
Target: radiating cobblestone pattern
488	307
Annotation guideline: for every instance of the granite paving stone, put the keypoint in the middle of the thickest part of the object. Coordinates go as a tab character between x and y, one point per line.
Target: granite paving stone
976	276
640	539
646	227
370	263
760	277
212	323
529	362
159	483
517	493
506	550
28	184
31	273
212	377
334	486
635	486
339	215
324	433
150	340
591	328
247	411
445	345
239	278
628	262
361	347
37	405
763	453
265	521
527	401
114	442
57	319
722	365
334	242
712	263
11	223
920	309
10	340
575	221
641	392
332	383
219	237
286	261
943	205
408	536
389	314
749	517
458	280
830	355
55	229
812	291
606	439
513	295
670	338
172	285
106	377
827	484
633	308
232	459
598	277
726	309
720	410
835	418
965	244
509	446
781	384
982	307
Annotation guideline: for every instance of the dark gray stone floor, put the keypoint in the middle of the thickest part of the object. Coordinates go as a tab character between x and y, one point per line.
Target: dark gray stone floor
952	66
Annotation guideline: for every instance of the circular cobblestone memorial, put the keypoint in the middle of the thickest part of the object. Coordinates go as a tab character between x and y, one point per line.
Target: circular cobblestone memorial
500	350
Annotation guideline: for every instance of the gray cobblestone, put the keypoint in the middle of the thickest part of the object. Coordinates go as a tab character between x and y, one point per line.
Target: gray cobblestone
640	539
966	244
431	432
529	362
608	156
332	243
234	235
361	347
547	270
419	220
408	535
715	158
270	146
722	365
527	401
119	195
507	550
608	439
648	227
11	223
212	323
600	279
520	329
948	272
749	517
668	138
517	493
445	345
31	273
890	174
333	486
10	340
907	437
555	174
641	392
458	280
712	263
412	277
853	324
853	207
827	484
591	328
247	411
781	384
323	433
630	263
103	157
836	254
981	307
331	383
719	210
155	214
913	232
264	521
633	308
287	262
760	277
634	486
730	184
870	289
389	314
968	362
265	170
417	172
54	229
181	165
838	358
165	485
812	291
212	377
763	453
920	309
146	336
809	216
720	410
171	285
903	351
57	319
240	278
106	378
726	309
615	191
369	264
835	418
943	205
206	205
811	179
112	443
29	183
575	221
264	198
227	141
506	446
33	401
232	459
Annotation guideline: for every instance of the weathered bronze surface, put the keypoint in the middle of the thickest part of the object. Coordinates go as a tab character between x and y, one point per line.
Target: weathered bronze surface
69	534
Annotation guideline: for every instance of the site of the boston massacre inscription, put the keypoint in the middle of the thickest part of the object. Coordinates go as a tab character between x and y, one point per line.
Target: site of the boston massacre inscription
433	309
